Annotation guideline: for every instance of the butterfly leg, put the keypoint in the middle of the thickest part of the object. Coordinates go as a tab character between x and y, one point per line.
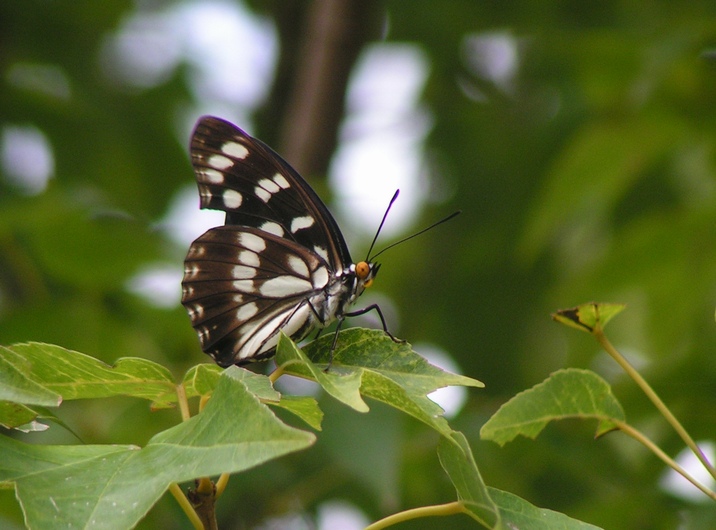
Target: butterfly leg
333	345
320	330
318	319
376	308
372	307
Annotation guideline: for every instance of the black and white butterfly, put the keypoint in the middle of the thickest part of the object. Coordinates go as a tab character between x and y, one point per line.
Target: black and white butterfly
279	263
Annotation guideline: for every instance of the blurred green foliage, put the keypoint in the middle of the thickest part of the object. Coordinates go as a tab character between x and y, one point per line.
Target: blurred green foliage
589	176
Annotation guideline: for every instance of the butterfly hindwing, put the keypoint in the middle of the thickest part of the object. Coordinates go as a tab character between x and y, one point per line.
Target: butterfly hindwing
241	285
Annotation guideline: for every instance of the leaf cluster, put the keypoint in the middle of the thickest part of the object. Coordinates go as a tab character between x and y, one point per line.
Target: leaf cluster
235	429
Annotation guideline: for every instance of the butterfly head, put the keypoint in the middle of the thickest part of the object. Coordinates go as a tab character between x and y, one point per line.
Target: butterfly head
366	271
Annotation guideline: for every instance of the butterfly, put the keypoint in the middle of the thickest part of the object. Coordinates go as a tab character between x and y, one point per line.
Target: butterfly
280	261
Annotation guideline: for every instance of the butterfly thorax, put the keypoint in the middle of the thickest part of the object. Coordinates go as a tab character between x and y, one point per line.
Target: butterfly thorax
342	292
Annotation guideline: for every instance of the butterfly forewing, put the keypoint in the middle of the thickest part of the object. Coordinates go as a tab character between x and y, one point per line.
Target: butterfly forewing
243	177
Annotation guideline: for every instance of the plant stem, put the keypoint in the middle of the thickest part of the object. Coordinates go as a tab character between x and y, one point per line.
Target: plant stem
278	372
641	438
450	508
221	484
655	399
203	500
203	400
183	403
186	506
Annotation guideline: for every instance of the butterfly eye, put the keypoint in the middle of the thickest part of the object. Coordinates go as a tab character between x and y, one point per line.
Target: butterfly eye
362	270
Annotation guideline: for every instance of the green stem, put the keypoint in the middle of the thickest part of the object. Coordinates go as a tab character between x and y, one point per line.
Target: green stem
655	399
442	510
183	402
278	372
186	506
639	437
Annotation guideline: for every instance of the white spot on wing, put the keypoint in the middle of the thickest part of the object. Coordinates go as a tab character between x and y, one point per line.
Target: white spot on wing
321	252
244	286
196	311
299	223
284	286
241	272
213	176
264	335
191	271
251	242
219	161
248	258
196	251
205	194
298	265
269	185
262	194
272	228
246	311
281	181
232	199
265	189
320	278
235	149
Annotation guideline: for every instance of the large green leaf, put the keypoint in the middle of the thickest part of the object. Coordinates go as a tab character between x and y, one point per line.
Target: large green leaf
368	363
74	375
458	462
493	508
304	407
570	393
344	385
14	415
201	379
17	383
516	512
114	486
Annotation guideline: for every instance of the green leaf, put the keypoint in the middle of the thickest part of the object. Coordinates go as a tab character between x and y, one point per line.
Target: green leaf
258	384
342	384
570	393
13	415
304	407
458	462
97	487
17	385
588	317
201	380
74	375
24	418
385	370
491	507
516	512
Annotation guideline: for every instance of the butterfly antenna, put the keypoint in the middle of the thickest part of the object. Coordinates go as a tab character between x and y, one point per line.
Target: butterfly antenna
380	227
441	221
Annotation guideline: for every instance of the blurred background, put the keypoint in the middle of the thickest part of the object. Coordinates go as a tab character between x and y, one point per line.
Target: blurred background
578	139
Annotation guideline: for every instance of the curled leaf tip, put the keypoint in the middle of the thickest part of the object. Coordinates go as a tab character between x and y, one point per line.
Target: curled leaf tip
588	317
